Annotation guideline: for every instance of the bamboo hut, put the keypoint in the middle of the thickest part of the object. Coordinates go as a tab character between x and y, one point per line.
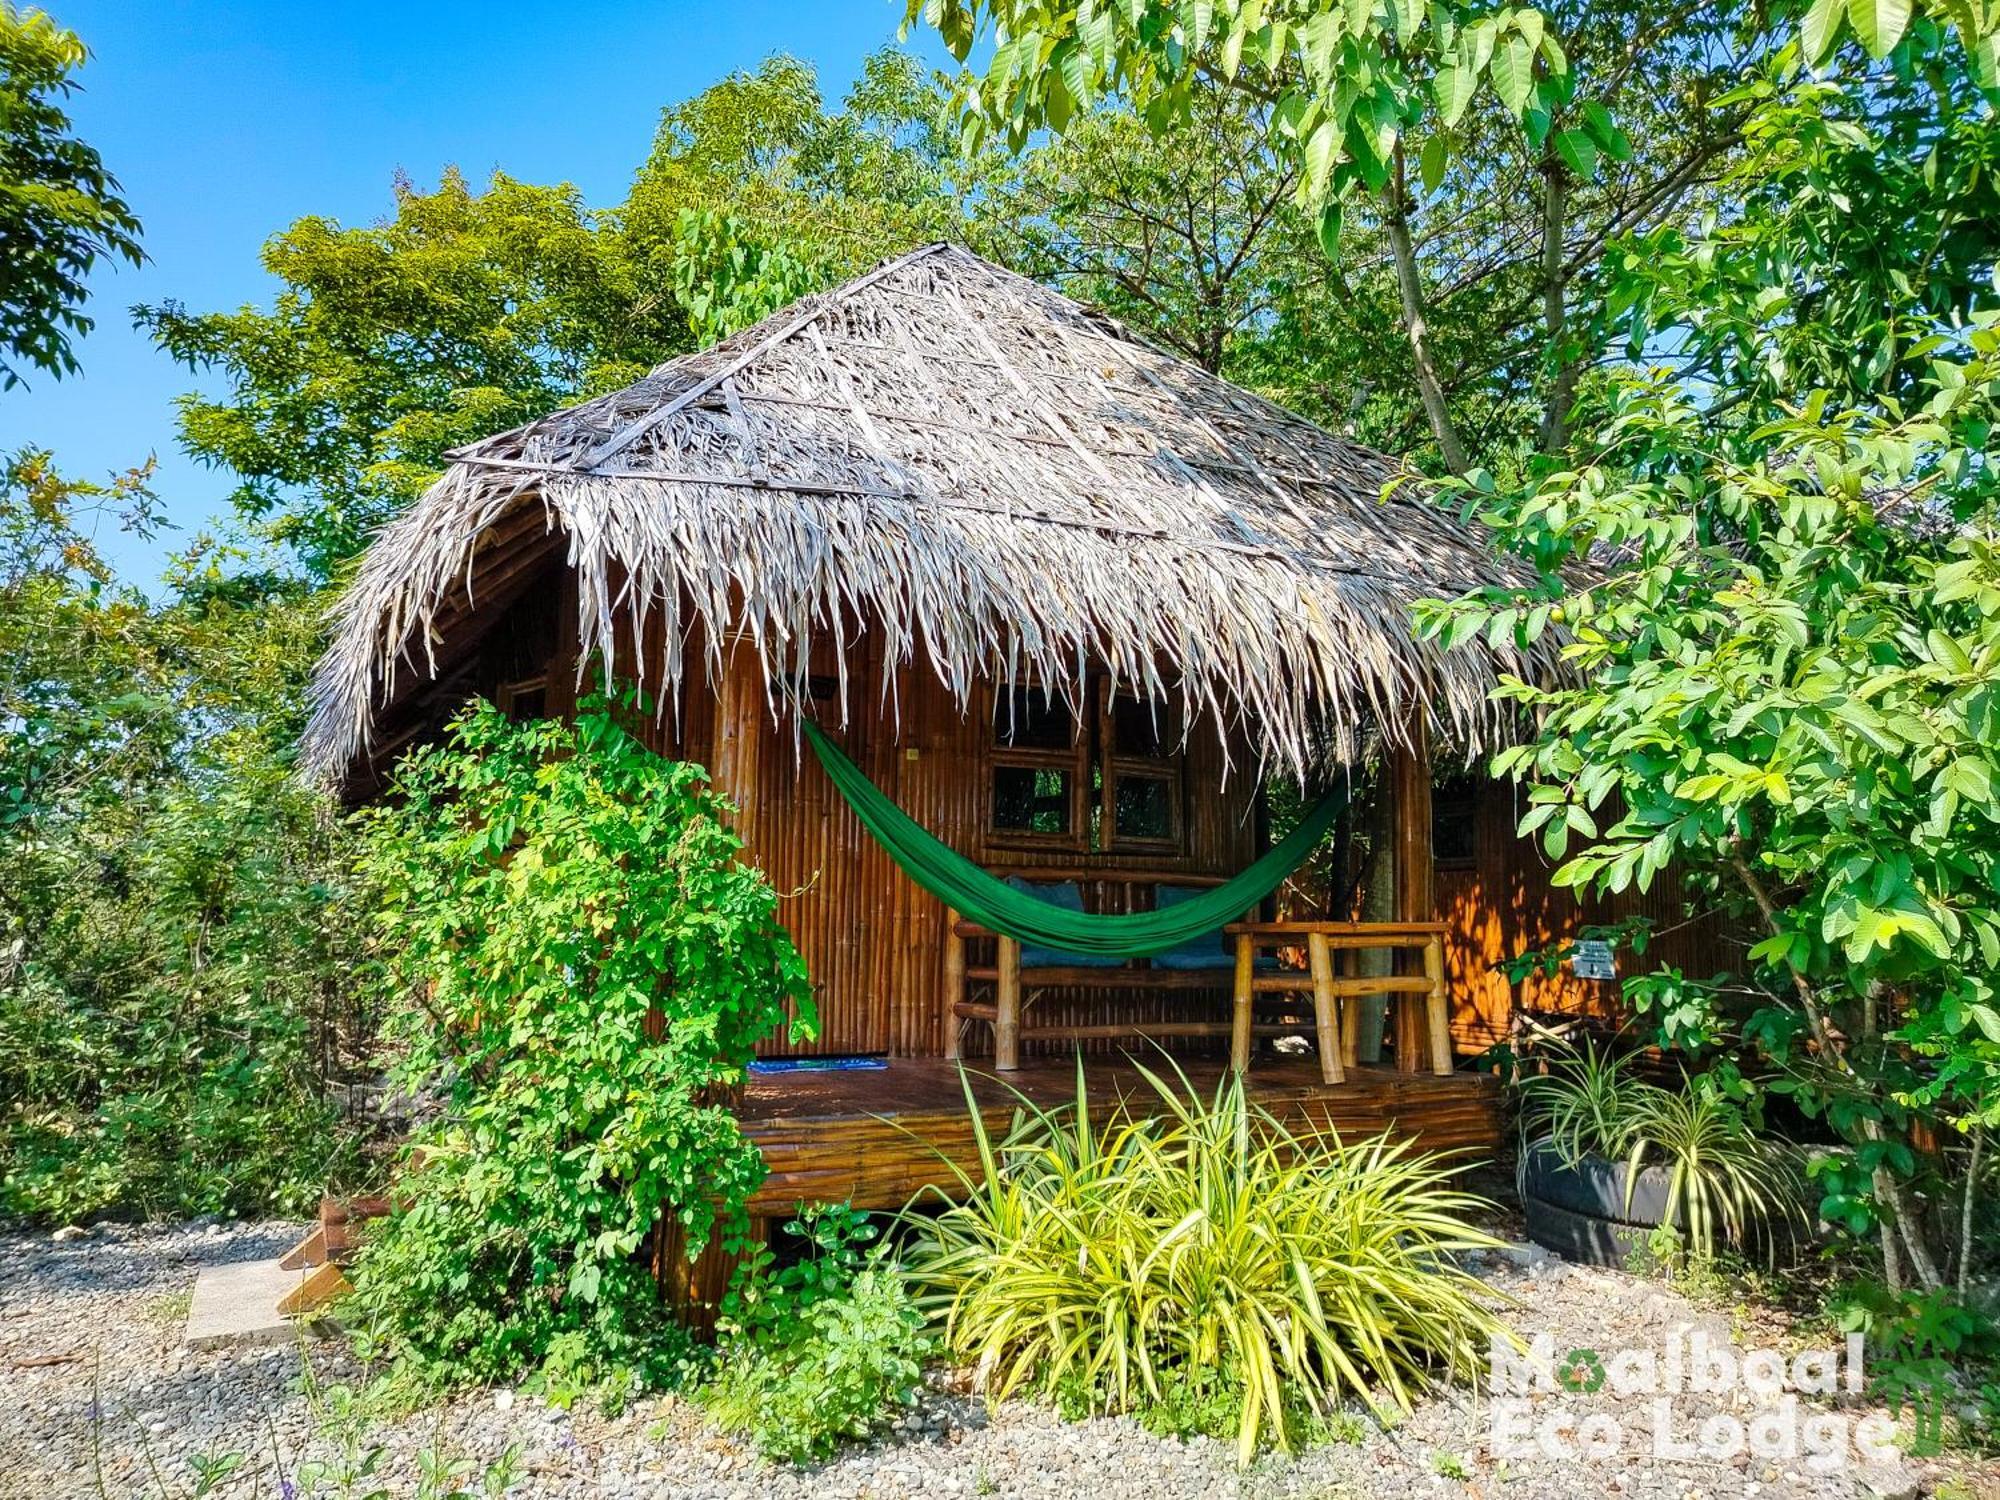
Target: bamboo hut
1069	601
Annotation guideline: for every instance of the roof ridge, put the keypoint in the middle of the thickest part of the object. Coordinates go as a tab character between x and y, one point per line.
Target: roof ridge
639	426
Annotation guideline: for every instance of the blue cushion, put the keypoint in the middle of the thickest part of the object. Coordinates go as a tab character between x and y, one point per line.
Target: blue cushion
1067	896
1212	950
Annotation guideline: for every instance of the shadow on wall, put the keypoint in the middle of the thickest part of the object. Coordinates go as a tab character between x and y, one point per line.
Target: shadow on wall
1493	891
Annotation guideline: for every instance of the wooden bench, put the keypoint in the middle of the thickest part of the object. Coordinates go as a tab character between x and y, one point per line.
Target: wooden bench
1309	1001
1421	1009
1118	891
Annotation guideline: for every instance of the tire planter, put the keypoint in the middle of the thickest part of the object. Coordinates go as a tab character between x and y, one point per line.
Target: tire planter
1580	1211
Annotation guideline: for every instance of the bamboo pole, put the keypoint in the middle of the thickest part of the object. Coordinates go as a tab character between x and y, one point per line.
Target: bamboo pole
1410	785
1007	1023
1239	1035
954	981
1435	1004
1326	1010
1350	1029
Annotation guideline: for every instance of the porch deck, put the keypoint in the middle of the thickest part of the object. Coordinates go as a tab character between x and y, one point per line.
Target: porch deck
876	1135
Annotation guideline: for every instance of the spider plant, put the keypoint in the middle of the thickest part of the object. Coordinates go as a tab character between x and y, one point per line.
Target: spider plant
1721	1174
1202	1240
1584	1103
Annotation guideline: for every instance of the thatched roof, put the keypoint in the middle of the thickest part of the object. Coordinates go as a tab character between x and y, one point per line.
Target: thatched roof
990	474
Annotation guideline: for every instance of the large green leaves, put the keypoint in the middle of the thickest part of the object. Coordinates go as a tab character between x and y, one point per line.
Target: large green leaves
1879	24
1346	81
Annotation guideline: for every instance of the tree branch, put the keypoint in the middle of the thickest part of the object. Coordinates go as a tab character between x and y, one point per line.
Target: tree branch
1409	285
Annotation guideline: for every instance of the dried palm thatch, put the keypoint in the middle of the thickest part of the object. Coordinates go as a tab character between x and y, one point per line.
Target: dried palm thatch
997	479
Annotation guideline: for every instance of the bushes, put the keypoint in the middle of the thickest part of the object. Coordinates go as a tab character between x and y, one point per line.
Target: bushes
583	968
1208	1246
169	998
174	1012
822	1352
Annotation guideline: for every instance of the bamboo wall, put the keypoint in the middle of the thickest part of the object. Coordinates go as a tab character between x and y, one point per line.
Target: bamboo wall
1499	904
873	940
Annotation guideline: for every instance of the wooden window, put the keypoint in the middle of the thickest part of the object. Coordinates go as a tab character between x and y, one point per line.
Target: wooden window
1040	760
1454	822
1110	783
1141	774
526	699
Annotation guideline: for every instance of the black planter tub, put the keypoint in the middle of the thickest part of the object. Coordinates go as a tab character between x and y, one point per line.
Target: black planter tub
1580	1211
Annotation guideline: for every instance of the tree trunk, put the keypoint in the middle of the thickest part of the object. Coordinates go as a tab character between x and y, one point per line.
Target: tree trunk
1409	283
1555	310
1887	1189
1965	1209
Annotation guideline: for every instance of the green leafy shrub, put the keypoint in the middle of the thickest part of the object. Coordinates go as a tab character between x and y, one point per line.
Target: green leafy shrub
586	967
1204	1243
1931	1349
165	1009
821	1352
1724	1181
1583	1103
176	1019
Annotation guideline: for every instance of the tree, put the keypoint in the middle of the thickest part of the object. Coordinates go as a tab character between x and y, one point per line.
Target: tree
465	313
469	311
60	211
173	996
1191	238
1194	237
581	966
1475	138
1782	605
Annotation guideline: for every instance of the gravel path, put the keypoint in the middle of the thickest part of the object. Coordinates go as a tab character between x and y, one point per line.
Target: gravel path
102	1399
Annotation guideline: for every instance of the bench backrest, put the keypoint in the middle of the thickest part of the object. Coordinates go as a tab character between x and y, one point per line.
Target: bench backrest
1118	892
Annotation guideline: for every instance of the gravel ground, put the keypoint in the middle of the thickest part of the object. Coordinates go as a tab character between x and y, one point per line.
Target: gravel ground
102	1399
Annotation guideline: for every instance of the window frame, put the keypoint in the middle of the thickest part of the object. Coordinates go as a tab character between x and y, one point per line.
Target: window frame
1116	761
1074	760
1093	749
507	696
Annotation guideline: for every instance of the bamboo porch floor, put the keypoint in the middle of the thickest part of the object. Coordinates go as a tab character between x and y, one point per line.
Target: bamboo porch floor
875	1135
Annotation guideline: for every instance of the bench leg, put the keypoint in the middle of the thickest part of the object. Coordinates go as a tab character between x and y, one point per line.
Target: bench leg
1439	1012
1350	1014
954	982
1007	1021
1239	1021
1326	1010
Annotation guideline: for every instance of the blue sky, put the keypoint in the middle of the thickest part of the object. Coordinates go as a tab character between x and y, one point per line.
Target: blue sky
226	121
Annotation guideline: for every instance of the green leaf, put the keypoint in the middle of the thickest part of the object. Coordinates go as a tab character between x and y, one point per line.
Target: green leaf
1821	29
1513	73
1971	778
1329	229
1579	153
1879	24
1432	162
1604	130
1454	88
1074	65
1200	17
1320	148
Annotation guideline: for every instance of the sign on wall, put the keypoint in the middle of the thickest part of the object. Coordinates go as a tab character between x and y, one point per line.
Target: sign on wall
1593	959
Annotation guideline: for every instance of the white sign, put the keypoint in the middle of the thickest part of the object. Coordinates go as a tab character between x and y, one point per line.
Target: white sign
1593	960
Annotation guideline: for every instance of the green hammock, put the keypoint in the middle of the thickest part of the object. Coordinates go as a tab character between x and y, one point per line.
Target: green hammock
993	903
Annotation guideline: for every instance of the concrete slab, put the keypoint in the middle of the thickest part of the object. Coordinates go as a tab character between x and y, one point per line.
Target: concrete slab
236	1305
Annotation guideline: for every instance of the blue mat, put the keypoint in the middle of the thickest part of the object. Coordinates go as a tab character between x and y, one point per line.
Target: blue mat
818	1064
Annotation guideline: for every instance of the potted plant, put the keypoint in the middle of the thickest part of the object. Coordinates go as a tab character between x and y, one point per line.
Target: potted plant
1607	1159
